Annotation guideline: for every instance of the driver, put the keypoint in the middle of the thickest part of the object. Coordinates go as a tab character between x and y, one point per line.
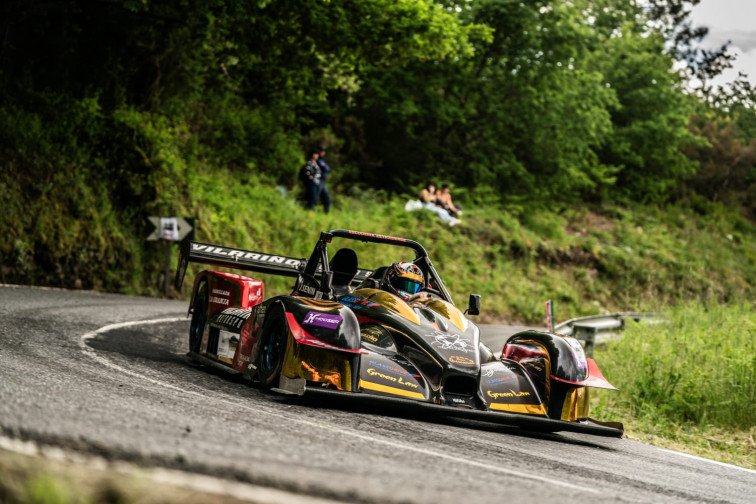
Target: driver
406	280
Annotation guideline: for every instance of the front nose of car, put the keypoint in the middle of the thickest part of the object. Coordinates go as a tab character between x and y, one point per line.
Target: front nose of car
460	389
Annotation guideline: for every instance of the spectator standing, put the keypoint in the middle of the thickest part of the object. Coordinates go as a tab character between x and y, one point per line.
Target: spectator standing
310	177
323	195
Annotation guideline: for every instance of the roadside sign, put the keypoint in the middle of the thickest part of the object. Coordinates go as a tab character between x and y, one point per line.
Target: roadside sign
170	228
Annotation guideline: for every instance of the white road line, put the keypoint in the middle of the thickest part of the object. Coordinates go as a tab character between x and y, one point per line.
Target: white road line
716	462
89	351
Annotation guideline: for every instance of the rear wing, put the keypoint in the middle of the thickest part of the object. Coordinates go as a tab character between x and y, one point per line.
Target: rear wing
243	260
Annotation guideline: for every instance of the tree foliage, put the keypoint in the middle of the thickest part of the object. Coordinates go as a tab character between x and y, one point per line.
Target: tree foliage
538	101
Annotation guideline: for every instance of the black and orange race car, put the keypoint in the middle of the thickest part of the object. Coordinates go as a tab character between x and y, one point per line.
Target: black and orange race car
343	330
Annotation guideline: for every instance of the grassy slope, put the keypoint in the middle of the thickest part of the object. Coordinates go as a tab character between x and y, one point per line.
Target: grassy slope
587	261
688	384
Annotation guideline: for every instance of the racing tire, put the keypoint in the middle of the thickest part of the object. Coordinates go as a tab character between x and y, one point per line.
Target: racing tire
275	336
199	318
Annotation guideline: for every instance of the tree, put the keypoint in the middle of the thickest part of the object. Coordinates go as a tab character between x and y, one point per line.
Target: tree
650	116
522	116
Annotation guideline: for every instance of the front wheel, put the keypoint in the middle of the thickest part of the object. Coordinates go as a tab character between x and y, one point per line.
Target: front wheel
275	335
199	318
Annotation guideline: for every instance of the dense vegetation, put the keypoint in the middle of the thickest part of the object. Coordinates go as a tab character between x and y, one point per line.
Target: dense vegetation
689	382
593	170
113	111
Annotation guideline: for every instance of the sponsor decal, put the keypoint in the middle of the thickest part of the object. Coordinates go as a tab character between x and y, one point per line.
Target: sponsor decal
390	369
357	302
372	333
221	292
396	379
511	393
370	337
320	319
242	254
501	379
458	400
358	233
458	359
487	373
234	317
219	300
453	342
308	290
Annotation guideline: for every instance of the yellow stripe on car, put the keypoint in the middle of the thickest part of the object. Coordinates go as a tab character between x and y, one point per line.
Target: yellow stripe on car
390	390
530	409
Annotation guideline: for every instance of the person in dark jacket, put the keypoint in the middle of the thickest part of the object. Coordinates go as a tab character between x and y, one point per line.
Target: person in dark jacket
323	195
310	174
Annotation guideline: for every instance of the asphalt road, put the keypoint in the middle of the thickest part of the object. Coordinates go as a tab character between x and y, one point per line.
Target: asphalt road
95	373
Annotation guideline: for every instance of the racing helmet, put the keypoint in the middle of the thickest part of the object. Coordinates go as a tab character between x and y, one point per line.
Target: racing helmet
405	278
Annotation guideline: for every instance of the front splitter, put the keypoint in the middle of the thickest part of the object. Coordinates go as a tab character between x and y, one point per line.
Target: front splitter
526	422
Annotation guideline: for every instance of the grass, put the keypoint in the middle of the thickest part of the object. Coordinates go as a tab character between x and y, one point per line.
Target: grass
588	260
687	384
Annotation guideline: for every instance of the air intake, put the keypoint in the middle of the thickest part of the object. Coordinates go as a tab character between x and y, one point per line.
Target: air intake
461	385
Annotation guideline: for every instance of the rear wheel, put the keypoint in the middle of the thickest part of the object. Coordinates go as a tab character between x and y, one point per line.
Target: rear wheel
199	318
275	335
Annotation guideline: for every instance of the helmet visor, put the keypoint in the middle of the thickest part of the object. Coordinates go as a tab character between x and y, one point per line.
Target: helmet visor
408	285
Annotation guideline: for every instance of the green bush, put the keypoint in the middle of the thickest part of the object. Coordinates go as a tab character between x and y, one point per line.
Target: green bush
698	367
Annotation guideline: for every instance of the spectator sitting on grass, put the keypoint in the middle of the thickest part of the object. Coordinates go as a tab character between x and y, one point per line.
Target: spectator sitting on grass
428	194
444	200
428	197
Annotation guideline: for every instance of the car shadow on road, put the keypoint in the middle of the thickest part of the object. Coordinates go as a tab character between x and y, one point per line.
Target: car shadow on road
142	344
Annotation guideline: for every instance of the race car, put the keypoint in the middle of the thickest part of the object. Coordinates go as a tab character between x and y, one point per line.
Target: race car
390	334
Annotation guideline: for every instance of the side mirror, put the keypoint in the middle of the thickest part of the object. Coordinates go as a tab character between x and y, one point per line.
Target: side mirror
473	306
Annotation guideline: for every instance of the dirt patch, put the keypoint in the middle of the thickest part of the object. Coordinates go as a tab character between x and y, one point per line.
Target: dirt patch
586	222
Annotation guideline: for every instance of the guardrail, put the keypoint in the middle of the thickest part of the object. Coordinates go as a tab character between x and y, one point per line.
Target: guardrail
591	330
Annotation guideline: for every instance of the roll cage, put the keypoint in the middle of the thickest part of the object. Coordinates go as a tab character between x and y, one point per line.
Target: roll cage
318	264
314	277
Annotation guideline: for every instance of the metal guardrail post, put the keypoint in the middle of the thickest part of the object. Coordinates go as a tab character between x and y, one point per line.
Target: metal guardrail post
595	329
588	335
